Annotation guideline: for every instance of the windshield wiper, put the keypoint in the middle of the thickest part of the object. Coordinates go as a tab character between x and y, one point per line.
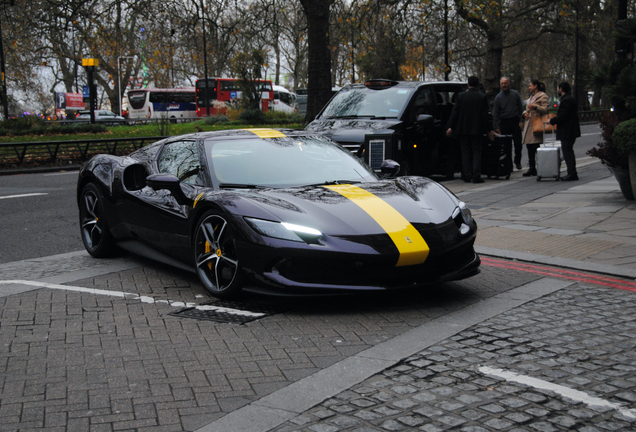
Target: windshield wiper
361	116
335	182
238	186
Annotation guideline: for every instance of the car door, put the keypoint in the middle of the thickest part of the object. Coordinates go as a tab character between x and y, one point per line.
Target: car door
420	140
447	154
155	215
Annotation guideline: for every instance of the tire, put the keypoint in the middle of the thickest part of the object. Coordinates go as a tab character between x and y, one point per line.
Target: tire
215	256
96	235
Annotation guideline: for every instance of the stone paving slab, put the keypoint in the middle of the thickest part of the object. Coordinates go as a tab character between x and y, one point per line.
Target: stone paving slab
546	242
578	224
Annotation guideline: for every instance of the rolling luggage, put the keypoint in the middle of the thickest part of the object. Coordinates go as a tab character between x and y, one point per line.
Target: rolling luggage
496	156
549	158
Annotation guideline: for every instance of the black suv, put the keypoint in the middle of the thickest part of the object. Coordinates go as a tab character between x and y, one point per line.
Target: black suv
403	121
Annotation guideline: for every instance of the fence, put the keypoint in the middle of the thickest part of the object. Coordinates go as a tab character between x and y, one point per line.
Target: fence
34	154
591	116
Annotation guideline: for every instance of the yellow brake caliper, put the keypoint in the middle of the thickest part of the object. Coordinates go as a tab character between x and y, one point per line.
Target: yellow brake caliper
208	249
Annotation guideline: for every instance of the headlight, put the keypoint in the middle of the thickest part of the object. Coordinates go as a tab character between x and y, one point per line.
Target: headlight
284	230
462	217
465	211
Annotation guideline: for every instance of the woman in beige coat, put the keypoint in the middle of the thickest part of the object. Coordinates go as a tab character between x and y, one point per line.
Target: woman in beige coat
537	105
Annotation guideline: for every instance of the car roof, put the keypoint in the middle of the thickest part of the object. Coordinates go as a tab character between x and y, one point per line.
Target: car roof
280	88
255	133
401	84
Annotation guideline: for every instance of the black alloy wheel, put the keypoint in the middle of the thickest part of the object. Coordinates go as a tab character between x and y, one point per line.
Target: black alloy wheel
215	256
96	235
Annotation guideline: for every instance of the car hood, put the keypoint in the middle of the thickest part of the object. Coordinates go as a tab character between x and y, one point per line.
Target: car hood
358	209
352	130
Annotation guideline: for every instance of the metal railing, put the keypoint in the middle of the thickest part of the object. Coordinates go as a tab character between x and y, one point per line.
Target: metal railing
129	121
40	153
591	116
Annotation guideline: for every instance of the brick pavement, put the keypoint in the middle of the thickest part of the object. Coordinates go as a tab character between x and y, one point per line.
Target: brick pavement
78	361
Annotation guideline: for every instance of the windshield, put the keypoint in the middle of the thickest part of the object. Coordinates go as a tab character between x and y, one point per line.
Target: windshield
365	102
283	162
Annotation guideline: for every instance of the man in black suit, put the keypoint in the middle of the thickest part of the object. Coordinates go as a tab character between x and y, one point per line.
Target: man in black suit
469	121
568	128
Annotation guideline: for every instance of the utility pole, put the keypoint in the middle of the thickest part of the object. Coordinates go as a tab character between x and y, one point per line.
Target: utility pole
90	65
447	68
576	92
205	62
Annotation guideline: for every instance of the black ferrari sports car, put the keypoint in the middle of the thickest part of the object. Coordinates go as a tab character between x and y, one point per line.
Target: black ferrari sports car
287	212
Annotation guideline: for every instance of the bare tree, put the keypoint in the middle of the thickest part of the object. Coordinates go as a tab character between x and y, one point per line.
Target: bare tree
319	57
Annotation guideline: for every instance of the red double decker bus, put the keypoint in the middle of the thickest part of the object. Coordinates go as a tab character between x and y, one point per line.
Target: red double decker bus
213	95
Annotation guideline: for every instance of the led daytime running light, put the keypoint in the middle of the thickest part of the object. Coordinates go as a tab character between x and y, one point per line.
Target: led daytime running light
301	229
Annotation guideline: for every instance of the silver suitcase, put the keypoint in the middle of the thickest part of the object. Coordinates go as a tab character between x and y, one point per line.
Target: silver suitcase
549	158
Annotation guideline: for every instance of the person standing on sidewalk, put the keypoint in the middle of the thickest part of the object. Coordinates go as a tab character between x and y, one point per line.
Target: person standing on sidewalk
568	128
469	121
537	105
507	116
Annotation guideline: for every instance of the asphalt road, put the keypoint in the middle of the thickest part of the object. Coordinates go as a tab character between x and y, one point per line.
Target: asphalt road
39	215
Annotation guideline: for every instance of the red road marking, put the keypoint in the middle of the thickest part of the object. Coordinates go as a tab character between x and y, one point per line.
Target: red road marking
562	273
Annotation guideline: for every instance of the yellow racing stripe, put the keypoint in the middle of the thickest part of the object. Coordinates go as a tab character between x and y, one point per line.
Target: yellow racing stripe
412	247
266	133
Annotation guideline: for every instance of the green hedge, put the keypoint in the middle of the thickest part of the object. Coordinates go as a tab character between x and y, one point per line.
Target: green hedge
624	136
34	125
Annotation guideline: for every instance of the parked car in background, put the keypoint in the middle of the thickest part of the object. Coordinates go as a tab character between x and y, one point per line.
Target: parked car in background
400	120
102	116
284	100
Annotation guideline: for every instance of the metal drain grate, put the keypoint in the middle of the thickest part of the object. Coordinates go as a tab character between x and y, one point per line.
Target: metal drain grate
228	312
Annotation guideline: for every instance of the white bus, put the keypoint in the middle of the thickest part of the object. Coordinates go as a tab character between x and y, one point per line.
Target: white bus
156	103
284	100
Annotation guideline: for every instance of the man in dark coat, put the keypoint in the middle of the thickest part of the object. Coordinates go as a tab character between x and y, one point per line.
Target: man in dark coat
469	121
568	128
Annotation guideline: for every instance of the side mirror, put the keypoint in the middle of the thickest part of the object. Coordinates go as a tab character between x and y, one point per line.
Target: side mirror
425	121
167	181
390	168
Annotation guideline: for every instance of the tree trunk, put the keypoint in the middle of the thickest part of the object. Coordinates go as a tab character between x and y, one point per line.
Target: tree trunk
319	58
492	70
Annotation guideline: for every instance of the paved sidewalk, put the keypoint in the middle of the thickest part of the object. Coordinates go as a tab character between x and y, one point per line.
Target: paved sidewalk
585	224
89	344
